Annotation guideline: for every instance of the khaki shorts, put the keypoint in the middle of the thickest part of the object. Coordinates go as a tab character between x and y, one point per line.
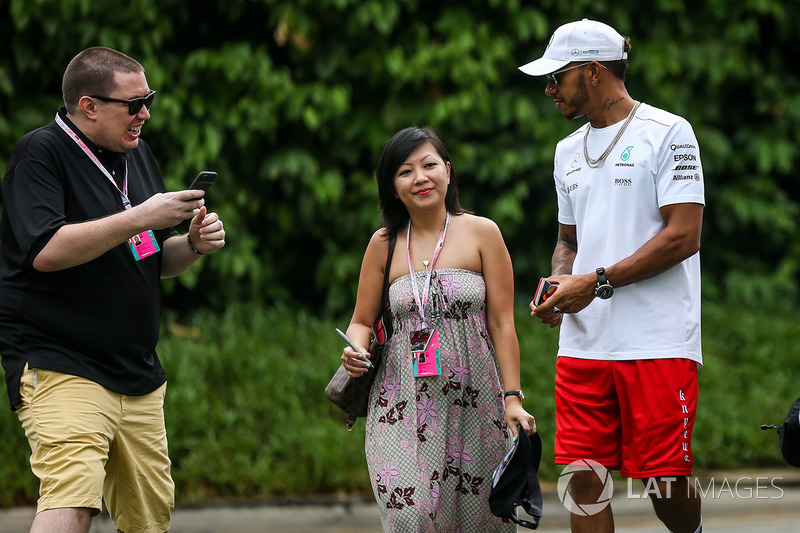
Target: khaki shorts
89	443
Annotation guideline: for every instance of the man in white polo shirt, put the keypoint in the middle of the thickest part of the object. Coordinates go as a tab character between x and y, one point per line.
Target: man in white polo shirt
627	270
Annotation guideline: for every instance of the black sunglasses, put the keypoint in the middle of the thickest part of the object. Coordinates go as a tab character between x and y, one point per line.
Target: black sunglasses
134	104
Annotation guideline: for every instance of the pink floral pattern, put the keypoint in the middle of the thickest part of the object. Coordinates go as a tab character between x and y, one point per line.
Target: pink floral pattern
432	442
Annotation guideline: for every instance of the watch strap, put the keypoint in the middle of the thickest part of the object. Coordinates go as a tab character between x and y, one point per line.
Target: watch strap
602	279
514	393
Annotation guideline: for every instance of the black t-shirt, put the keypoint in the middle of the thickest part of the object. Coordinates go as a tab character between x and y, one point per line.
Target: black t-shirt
98	320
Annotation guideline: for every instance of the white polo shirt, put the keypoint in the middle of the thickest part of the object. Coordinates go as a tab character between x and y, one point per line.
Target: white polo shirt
615	209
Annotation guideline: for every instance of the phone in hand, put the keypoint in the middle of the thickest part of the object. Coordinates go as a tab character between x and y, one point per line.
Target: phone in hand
203	180
543	292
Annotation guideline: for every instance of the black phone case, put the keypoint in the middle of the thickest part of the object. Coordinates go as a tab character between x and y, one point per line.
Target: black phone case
203	180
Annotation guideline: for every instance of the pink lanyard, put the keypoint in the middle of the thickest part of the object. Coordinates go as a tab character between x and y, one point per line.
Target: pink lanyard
427	287
74	136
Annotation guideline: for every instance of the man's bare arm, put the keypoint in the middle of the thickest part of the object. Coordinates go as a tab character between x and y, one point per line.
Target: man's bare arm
564	253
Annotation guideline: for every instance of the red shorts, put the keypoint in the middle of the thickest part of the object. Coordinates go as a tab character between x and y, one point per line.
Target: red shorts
634	416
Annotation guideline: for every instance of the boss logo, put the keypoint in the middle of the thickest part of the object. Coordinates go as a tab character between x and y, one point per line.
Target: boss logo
623	182
572	187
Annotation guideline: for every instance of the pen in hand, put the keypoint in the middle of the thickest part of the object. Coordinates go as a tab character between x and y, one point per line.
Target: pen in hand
350	343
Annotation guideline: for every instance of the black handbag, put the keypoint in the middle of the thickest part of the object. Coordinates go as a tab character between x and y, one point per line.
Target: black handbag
789	435
350	394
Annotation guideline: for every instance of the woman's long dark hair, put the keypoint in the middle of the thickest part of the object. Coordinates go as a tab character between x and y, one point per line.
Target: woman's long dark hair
395	153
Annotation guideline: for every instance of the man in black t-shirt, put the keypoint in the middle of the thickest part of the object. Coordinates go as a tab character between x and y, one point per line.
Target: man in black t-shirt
87	231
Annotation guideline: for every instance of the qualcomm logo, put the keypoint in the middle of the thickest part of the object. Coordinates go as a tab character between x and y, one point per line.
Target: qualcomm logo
585	509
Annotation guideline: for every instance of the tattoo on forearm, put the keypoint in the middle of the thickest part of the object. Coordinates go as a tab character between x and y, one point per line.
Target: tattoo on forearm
608	104
563	258
566	248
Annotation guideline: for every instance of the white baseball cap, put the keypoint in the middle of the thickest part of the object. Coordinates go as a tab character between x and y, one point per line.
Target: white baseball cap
584	40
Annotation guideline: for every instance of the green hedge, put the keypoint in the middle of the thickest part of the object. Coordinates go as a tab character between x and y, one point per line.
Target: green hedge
248	419
291	103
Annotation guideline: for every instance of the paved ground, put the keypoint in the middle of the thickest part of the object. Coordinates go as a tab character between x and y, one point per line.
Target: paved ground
733	502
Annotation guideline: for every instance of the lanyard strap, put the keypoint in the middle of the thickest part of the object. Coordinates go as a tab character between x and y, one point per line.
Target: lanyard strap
123	194
427	287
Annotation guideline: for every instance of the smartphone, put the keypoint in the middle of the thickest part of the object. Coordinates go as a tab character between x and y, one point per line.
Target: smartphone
543	292
203	180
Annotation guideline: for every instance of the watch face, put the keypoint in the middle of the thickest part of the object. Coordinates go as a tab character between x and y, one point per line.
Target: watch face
604	292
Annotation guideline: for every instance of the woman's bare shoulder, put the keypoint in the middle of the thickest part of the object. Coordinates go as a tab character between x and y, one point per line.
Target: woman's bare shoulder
478	224
379	243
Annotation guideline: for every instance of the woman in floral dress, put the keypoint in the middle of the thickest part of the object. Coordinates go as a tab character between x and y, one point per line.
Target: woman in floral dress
440	418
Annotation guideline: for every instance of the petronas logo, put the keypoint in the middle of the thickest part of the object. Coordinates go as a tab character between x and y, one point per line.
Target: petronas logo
626	154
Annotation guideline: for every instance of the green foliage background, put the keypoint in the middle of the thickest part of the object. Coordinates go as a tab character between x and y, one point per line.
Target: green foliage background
291	102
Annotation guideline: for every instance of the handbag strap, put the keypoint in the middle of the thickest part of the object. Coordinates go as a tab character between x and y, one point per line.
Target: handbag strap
385	293
351	417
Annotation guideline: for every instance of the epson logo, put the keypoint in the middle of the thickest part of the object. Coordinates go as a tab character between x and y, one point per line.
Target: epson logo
623	182
572	187
684	168
685	157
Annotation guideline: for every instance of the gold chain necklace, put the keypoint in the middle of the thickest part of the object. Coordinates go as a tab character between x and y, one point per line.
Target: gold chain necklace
594	163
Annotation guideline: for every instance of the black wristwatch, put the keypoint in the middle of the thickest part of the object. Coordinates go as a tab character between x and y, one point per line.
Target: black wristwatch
514	393
604	290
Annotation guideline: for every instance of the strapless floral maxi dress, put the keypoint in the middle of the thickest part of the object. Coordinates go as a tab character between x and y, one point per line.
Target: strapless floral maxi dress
433	442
